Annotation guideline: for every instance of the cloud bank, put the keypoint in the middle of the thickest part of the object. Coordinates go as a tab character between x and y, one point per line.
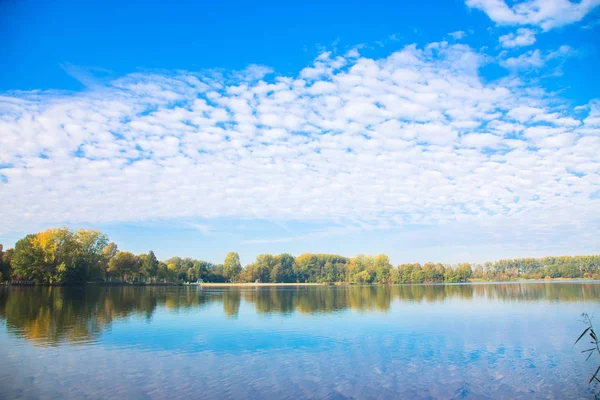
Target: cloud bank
417	137
547	14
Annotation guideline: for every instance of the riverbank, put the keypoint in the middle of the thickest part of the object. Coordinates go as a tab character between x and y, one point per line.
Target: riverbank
271	284
540	280
265	284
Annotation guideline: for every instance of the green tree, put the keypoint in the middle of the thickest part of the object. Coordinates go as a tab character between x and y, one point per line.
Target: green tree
451	276
60	256
232	266
163	272
61	252
149	267
202	269
28	261
464	272
191	275
382	268
363	277
283	270
107	253
124	265
5	260
90	244
417	275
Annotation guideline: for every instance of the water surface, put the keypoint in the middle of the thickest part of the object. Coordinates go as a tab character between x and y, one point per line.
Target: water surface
510	340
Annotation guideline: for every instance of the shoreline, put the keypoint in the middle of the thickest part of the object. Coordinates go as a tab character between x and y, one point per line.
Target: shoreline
272	284
476	281
266	284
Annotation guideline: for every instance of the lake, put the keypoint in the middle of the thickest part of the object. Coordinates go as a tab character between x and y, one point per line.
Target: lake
509	340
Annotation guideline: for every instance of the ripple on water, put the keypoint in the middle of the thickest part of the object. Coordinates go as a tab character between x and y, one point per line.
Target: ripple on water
357	342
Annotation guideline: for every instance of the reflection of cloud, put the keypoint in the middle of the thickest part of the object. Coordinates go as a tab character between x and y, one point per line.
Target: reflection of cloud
55	316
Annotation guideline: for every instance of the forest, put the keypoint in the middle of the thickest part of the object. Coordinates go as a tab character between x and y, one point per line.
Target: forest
61	256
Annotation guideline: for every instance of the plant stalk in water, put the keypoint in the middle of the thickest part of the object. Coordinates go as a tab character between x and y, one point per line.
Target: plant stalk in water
594	349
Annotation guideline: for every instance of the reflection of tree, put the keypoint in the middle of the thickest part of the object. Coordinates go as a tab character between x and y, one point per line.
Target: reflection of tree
51	315
231	302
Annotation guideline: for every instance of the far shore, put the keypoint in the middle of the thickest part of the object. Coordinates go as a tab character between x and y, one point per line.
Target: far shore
265	284
291	284
520	280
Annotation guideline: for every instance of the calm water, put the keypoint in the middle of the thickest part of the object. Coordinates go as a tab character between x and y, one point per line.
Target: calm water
453	341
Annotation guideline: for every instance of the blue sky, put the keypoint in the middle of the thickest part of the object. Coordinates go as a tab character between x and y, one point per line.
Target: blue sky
435	130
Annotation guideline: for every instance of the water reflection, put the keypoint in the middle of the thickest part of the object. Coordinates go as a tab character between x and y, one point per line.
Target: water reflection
50	316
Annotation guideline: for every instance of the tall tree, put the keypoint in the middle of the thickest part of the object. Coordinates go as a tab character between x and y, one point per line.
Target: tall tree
107	253
60	251
7	264
90	245
150	265
124	264
283	271
4	275
28	262
232	266
382	267
191	275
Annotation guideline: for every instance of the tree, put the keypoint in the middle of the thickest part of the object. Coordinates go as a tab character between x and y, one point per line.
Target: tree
362	277
191	275
417	275
202	269
329	272
61	253
150	265
124	264
451	276
464	272
232	266
305	267
263	266
283	271
90	244
107	253
5	260
28	261
60	256
163	271
382	268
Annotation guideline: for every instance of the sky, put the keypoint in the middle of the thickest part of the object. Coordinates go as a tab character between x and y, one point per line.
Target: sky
443	131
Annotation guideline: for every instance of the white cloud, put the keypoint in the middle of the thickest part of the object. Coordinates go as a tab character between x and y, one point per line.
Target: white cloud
535	59
523	37
412	138
531	59
481	140
458	34
203	228
547	14
332	231
563	51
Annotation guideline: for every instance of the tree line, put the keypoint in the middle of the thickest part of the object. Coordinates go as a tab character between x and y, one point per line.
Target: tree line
61	256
